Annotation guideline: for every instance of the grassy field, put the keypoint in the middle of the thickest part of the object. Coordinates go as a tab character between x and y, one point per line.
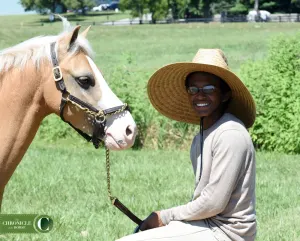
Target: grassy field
69	184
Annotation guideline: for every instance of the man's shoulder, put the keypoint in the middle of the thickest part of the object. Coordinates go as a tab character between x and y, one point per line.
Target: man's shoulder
231	126
229	122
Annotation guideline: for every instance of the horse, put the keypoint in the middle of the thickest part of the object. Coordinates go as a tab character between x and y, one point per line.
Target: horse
56	74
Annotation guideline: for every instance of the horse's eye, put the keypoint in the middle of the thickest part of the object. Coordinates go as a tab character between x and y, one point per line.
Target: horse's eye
84	82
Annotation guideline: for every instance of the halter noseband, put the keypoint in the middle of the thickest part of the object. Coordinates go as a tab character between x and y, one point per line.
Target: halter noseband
99	116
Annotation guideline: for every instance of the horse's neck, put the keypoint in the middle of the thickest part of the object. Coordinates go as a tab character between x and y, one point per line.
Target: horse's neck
21	108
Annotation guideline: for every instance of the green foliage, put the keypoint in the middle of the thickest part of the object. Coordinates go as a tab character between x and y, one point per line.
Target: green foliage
39	5
158	8
222	6
268	6
275	85
78	4
137	7
239	8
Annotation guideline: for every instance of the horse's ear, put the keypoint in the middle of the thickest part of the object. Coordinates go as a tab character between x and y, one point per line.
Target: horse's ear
74	35
69	39
85	32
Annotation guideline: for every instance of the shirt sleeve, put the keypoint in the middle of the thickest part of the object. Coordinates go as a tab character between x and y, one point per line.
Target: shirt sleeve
229	152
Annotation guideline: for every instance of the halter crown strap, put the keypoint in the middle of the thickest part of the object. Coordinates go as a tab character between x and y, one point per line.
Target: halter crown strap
57	74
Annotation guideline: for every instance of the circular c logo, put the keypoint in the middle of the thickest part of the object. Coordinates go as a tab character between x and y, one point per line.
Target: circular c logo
43	224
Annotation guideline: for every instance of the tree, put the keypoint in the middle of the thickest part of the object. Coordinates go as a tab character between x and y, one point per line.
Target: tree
39	5
137	7
158	9
78	4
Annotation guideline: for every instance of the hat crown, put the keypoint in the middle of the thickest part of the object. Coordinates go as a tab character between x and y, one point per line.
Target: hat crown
213	57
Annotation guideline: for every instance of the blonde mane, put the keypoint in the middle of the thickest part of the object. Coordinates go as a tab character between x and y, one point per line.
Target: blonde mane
36	49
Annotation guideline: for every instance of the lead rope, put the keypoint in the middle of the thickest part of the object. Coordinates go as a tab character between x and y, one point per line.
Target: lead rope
114	200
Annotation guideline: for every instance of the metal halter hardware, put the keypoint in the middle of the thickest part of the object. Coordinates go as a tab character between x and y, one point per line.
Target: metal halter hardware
99	116
99	123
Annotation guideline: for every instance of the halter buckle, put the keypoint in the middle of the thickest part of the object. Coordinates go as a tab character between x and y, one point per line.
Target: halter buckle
57	74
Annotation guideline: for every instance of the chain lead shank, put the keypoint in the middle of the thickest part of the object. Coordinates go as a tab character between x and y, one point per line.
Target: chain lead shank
115	201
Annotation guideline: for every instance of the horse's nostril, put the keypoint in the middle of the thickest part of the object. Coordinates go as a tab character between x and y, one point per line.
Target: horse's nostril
129	131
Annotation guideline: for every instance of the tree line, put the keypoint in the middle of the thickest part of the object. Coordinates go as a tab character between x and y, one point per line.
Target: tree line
205	8
174	9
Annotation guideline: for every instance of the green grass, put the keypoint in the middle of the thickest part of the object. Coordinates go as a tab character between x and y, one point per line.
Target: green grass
69	184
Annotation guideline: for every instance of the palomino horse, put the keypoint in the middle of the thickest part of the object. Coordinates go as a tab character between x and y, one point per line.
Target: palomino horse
56	74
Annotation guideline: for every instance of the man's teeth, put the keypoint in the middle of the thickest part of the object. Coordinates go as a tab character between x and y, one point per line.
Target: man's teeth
202	105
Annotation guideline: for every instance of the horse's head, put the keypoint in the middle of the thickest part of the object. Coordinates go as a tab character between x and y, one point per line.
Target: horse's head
90	98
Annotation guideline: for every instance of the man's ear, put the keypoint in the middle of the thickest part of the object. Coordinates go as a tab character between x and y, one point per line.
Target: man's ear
226	96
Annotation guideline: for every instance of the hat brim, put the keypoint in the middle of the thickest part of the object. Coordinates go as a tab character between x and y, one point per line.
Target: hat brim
167	93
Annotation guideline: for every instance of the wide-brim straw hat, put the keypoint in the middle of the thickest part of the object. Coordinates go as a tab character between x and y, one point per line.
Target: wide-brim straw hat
167	90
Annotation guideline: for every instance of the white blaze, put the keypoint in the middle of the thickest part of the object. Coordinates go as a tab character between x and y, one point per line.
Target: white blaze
119	124
108	98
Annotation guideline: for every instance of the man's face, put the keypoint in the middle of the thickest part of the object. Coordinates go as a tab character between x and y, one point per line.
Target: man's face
205	104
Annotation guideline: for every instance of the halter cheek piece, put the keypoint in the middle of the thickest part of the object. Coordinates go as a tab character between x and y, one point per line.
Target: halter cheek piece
99	116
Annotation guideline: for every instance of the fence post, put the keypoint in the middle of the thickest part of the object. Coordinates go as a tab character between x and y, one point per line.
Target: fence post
298	17
279	18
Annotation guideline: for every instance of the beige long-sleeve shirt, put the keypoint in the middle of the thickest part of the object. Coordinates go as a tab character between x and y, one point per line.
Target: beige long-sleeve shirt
225	194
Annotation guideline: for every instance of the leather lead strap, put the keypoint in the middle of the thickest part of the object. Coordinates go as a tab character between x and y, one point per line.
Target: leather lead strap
127	212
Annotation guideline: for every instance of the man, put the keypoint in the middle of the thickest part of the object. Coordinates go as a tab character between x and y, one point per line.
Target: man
206	92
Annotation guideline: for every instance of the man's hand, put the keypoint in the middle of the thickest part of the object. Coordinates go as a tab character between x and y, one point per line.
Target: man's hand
153	221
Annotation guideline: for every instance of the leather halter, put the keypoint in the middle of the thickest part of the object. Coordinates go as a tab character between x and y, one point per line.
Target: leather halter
99	116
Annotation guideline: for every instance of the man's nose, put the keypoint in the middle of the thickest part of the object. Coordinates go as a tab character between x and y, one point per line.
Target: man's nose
200	95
